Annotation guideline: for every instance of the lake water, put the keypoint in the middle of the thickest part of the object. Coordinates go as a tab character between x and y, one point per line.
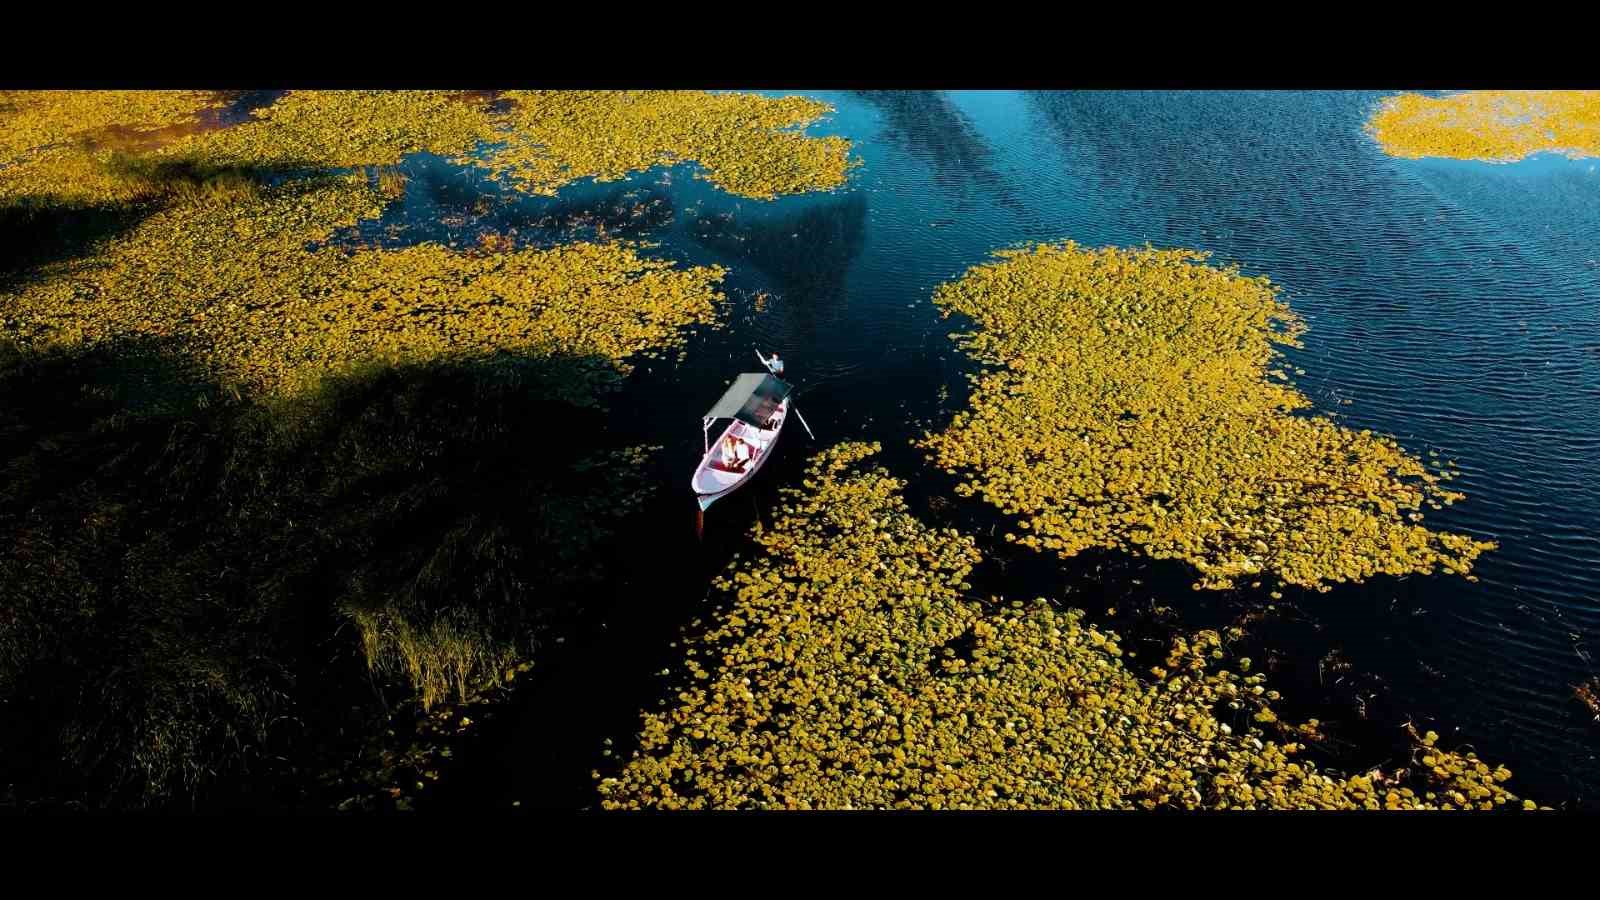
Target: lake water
1455	305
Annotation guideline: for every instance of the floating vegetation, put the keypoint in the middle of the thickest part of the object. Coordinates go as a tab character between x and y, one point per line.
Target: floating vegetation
848	670
746	144
1493	126
220	254
1588	693
60	146
235	285
343	129
1136	408
313	441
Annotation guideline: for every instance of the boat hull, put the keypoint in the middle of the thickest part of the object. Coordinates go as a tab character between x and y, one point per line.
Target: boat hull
711	482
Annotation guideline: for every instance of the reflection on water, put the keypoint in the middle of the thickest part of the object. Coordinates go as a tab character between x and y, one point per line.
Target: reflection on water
238	106
1454	305
935	131
805	254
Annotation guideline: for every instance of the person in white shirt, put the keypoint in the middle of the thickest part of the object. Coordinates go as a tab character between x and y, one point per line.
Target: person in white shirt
735	453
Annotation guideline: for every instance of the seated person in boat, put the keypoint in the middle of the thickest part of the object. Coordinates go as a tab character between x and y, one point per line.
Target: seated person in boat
735	453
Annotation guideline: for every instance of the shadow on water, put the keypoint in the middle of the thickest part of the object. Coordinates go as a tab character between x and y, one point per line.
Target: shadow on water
186	570
460	207
578	712
33	236
421	467
40	232
806	256
931	128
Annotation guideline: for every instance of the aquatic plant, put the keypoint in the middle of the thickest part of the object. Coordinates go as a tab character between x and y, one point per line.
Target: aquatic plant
1140	404
745	144
56	146
1493	126
1588	693
200	592
243	481
450	621
847	668
234	285
342	129
391	183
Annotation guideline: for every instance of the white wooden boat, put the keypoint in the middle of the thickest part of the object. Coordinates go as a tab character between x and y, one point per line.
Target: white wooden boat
757	406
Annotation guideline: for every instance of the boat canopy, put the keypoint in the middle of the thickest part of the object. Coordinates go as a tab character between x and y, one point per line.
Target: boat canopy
752	399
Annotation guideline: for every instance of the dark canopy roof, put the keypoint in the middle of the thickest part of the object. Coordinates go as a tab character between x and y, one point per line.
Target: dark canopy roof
752	398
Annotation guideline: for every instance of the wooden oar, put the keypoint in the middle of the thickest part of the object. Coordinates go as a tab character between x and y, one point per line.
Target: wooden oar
796	409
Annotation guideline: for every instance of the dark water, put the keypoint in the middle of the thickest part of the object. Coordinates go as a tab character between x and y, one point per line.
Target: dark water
1456	305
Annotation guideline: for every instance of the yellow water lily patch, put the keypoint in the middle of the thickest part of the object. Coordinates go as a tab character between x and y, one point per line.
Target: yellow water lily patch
58	146
1493	126
344	129
747	144
1139	403
236	286
848	669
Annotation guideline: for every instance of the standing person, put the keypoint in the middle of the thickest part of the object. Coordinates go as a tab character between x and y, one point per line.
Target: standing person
776	365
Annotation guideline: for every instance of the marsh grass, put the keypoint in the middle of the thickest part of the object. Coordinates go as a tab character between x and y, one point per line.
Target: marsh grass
38	230
188	180
391	183
200	598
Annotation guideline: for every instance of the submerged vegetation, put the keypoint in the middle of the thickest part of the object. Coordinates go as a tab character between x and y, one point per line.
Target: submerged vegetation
1135	407
848	669
746	144
1493	126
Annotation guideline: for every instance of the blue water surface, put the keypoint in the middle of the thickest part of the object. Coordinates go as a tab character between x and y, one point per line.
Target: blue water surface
1454	305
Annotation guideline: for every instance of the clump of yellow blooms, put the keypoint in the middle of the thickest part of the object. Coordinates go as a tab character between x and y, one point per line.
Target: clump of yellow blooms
746	144
65	144
847	669
220	260
55	145
343	129
234	285
1493	126
1137	407
231	277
